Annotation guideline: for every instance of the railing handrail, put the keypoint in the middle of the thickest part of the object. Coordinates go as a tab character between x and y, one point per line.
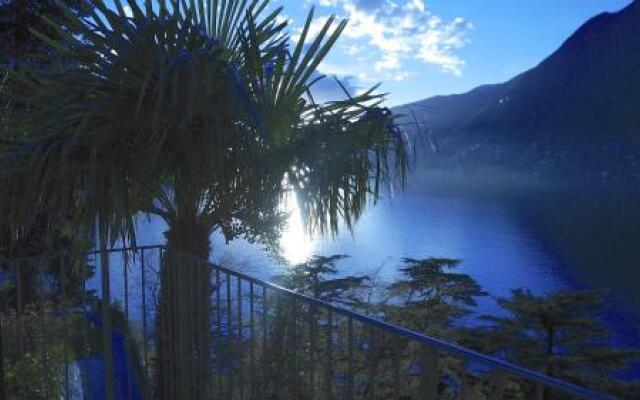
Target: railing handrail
431	341
442	345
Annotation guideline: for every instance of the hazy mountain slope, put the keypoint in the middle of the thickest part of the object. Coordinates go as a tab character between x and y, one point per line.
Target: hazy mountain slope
580	103
591	84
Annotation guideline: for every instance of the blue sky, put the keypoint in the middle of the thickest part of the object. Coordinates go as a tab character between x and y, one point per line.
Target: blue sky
421	48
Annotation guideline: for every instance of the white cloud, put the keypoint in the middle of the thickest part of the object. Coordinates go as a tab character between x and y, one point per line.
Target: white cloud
438	44
328	3
401	76
352	49
316	26
397	31
389	61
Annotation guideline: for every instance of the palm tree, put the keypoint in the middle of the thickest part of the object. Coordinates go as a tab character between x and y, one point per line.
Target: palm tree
201	113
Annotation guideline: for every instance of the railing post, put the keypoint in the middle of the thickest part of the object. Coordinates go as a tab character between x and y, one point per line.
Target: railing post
252	349
106	311
429	377
18	274
540	389
265	332
501	384
125	272
312	352
63	279
144	311
329	368
240	346
463	381
40	295
3	394
350	379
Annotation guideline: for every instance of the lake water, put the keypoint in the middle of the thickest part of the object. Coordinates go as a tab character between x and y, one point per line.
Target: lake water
541	238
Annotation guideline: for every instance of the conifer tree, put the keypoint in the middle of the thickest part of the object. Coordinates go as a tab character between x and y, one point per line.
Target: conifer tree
561	335
430	297
315	278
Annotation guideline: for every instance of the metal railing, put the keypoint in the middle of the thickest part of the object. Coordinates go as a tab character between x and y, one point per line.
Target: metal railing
259	341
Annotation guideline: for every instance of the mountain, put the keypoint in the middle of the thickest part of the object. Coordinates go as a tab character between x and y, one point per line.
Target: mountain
579	109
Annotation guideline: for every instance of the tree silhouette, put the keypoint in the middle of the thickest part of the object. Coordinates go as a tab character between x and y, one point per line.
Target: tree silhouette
561	335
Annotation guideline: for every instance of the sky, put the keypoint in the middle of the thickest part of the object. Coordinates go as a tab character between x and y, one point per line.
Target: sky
421	48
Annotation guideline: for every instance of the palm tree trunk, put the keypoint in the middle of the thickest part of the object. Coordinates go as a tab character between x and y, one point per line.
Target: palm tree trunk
184	319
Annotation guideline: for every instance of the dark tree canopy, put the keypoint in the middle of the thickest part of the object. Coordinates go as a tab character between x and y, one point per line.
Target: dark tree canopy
562	335
18	20
316	278
430	296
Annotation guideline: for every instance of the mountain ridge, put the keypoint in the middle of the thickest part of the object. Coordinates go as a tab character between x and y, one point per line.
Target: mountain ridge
584	98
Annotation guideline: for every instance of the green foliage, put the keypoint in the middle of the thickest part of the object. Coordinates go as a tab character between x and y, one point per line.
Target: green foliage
190	115
561	335
18	18
431	297
39	344
197	112
31	378
313	279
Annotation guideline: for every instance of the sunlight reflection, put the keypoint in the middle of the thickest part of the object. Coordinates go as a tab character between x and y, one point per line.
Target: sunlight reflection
297	245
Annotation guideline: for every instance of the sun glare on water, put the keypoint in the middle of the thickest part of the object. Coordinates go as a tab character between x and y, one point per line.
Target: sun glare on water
297	245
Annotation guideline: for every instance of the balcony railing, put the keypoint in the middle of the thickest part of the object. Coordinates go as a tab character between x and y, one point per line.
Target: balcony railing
265	341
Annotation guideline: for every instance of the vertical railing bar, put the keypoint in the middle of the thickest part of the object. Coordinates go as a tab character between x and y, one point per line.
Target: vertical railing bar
204	295
540	391
240	339
144	309
126	284
228	331
125	265
396	373
218	301
42	332
240	330
63	265
228	299
18	275
161	270
107	323
295	347
500	382
329	371
350	359
218	331
192	296
463	381
252	334
312	351
279	344
372	360
429	375
265	310
145	333
175	328
84	281
3	391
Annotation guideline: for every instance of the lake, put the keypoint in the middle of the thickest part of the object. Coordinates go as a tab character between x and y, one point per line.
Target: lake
539	236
